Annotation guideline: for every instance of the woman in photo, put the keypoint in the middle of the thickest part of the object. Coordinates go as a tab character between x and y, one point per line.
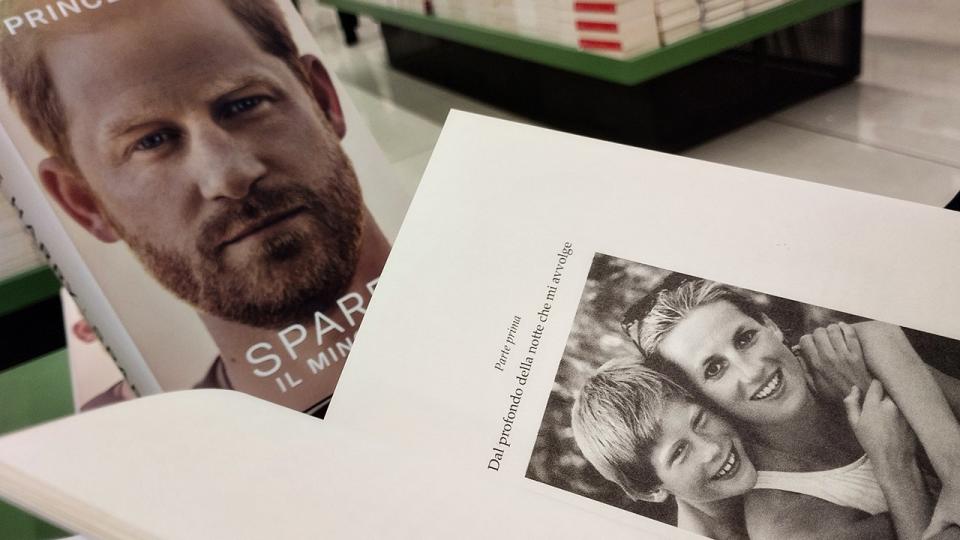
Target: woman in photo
812	463
646	433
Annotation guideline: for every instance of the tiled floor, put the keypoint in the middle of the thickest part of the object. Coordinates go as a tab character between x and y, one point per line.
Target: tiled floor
896	131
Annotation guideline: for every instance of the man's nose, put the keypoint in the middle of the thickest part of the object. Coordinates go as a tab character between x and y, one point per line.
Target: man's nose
223	165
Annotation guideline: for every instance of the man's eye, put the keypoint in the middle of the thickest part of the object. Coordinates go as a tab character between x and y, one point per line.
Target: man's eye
154	140
713	369
240	106
744	338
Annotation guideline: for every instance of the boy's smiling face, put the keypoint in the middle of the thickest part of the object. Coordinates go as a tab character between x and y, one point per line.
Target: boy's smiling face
699	457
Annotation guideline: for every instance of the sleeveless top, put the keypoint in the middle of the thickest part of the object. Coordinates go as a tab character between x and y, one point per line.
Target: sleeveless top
854	485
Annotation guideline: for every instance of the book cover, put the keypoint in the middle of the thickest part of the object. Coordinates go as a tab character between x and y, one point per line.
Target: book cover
202	185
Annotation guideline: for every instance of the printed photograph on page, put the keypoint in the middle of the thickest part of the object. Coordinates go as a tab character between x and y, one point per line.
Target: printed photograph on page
737	414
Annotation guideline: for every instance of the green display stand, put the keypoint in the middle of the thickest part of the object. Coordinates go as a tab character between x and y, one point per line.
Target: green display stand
668	99
632	71
35	392
24	289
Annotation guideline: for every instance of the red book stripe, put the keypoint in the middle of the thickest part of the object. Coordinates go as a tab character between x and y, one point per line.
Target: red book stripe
597	44
597	26
595	7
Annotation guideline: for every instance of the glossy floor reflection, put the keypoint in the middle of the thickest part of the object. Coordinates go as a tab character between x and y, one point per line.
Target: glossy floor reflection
894	132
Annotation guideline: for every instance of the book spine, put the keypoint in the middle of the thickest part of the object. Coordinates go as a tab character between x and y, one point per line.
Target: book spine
23	190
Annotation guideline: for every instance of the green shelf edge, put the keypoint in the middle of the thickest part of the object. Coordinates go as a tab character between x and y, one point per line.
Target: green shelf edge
627	72
32	393
26	288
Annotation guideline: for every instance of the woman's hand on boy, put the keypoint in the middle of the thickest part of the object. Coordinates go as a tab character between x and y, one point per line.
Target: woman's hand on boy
833	361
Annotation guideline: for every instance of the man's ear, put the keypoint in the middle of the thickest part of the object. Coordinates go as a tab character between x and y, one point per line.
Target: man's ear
324	92
768	322
73	194
656	495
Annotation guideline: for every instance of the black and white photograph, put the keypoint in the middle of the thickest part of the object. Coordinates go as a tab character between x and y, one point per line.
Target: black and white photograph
738	414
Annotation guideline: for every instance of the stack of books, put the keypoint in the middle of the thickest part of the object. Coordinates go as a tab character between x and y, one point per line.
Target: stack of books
499	14
717	13
620	28
548	20
677	19
757	6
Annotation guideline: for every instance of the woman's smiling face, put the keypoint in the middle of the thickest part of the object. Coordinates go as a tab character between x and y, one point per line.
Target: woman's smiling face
738	362
699	457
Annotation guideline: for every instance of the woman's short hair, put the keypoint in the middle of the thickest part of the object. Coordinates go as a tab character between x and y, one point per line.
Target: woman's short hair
617	420
652	318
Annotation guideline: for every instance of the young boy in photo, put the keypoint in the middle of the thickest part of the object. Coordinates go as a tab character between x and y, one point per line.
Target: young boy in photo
648	435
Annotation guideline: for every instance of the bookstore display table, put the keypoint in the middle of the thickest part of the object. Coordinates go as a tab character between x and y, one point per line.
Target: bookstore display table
669	99
30	318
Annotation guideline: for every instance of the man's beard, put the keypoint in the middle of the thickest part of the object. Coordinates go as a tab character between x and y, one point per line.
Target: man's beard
288	275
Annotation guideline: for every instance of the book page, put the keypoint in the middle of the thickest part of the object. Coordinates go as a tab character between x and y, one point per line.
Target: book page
221	464
523	252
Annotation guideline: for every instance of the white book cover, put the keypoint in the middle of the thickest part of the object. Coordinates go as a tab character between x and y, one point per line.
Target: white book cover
638	35
669	7
714	12
681	32
680	18
201	184
758	6
616	8
713	23
594	336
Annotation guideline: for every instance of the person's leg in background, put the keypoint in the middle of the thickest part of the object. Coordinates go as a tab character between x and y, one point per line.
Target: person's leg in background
348	22
954	204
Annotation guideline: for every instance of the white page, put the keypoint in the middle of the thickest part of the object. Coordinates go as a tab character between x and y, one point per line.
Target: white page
480	246
221	464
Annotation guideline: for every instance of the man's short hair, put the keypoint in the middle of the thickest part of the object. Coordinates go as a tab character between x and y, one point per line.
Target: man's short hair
29	83
664	309
617	420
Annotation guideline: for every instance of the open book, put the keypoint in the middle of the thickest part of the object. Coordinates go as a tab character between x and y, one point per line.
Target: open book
202	186
528	266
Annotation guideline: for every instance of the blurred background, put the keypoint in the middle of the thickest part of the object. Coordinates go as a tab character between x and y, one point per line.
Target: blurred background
892	130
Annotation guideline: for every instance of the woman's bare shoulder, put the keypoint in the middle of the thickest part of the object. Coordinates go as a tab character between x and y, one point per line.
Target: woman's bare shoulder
878	330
